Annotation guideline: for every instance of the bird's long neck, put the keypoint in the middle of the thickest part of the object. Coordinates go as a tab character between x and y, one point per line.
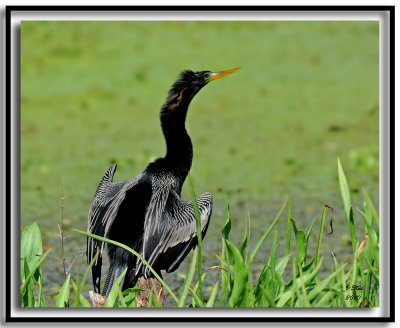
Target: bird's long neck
179	145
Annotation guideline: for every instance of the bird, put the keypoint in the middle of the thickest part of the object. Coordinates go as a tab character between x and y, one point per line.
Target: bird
146	212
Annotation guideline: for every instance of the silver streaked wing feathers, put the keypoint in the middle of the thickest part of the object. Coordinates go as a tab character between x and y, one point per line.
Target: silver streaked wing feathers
173	229
104	208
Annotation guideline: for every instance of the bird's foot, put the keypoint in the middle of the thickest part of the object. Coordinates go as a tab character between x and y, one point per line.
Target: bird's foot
98	300
150	285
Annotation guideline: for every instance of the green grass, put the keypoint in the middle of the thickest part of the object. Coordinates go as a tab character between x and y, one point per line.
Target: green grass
292	280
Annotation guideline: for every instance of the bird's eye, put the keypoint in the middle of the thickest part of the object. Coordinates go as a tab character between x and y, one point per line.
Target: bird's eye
206	76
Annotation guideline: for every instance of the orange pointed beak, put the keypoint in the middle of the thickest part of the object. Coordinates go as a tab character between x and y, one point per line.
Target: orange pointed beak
218	75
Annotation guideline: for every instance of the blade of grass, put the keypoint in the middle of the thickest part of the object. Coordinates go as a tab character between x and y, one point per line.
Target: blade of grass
240	277
302	288
288	229
370	206
264	236
197	302
224	258
317	291
246	236
311	228
367	287
153	300
80	300
325	300
268	297
27	298
228	223
213	296
342	281
199	239
81	285
285	298
321	232
345	193
344	189
301	244
40	300
121	300
33	271
188	280
115	289
63	295
272	260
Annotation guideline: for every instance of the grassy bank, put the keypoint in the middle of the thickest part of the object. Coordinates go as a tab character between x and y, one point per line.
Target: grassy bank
292	280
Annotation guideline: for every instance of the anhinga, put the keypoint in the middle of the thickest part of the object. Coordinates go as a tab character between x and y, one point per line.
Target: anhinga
146	213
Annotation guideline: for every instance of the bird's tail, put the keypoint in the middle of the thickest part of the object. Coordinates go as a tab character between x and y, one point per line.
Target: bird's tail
113	274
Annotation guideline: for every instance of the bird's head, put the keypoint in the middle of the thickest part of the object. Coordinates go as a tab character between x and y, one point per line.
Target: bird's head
188	84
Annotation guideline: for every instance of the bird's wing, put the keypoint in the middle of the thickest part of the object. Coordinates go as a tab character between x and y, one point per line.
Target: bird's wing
170	229
104	208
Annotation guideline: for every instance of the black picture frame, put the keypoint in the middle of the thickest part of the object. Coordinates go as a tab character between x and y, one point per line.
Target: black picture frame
200	316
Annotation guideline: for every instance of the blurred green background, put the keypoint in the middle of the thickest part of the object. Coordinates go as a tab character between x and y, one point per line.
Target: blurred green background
307	93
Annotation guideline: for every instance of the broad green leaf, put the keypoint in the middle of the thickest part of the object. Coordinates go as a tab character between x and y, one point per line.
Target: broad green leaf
63	296
301	244
31	245
240	277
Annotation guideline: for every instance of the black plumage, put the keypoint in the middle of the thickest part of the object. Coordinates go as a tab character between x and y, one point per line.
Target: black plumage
146	213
